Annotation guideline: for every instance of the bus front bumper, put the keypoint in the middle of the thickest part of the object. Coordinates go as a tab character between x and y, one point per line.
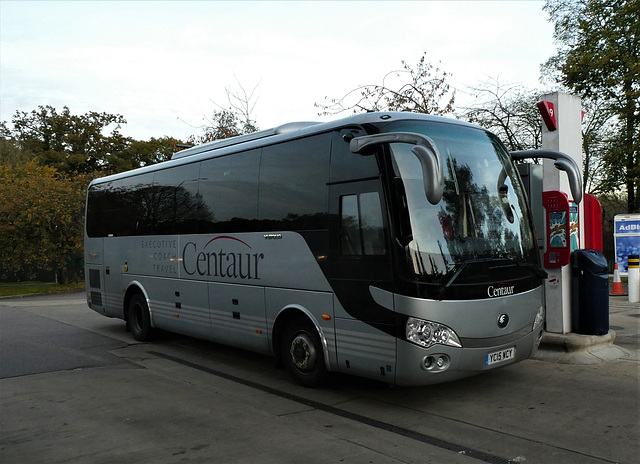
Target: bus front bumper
419	366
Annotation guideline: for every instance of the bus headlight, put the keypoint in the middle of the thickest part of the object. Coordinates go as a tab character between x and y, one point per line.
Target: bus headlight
539	317
427	333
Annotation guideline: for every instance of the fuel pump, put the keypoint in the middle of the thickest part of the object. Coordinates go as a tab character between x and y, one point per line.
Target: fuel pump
558	230
556	200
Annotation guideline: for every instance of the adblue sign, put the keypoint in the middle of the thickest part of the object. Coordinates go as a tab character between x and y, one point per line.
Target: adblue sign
630	227
627	239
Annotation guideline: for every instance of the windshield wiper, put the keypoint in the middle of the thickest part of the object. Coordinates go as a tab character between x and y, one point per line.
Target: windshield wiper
537	270
455	273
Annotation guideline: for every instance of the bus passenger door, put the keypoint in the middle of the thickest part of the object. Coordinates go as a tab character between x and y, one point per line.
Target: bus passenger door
360	259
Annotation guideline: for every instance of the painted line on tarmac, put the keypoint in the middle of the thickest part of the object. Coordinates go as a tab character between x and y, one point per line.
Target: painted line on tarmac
411	434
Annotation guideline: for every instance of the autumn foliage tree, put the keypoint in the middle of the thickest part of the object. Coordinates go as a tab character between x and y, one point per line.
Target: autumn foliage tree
40	219
139	153
65	141
87	143
47	159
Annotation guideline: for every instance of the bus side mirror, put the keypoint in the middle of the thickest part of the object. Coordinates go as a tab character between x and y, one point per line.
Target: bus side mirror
563	162
424	149
432	175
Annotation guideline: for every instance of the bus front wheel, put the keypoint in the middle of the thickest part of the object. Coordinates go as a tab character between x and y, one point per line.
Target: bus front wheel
139	320
302	353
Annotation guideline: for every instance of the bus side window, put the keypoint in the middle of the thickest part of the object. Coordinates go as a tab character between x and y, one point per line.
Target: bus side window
293	184
228	190
98	211
347	166
176	203
362	226
128	210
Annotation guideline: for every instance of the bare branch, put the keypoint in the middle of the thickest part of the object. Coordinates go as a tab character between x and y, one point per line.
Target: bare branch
420	90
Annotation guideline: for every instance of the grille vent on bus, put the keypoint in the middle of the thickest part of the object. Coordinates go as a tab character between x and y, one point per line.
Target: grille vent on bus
96	298
94	278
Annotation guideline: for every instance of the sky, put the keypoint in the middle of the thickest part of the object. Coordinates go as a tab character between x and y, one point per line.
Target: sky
166	66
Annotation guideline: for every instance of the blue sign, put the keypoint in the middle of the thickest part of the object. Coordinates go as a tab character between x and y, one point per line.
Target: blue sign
628	227
627	239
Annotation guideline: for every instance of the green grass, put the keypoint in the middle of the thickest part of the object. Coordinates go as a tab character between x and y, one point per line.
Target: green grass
31	288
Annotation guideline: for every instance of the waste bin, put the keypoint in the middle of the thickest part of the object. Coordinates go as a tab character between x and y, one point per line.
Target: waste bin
589	293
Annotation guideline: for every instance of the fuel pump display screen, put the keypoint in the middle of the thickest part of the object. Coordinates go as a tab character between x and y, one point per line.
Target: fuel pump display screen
557	229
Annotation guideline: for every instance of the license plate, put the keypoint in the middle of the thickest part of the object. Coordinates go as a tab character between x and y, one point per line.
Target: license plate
500	356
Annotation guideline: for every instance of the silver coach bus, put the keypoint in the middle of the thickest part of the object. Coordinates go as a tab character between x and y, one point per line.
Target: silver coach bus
393	246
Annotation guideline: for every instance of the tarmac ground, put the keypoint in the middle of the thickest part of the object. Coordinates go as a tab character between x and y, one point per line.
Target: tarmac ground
76	388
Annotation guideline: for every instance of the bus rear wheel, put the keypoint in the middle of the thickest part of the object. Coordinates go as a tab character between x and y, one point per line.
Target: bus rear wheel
138	318
302	353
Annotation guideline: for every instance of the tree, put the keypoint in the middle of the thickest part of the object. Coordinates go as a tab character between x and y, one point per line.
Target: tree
599	132
222	125
140	153
599	59
12	154
89	143
46	162
509	111
422	89
68	142
41	225
242	104
233	121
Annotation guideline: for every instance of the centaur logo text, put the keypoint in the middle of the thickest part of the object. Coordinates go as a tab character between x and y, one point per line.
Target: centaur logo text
500	290
220	263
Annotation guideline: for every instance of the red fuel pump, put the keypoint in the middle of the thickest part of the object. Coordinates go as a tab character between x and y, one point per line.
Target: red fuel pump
558	243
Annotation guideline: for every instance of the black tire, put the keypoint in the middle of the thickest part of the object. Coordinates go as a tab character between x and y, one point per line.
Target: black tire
139	320
302	353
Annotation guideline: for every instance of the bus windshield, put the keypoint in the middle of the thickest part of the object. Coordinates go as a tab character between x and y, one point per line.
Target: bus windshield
482	215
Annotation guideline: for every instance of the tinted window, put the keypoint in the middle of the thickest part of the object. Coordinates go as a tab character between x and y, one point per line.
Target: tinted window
229	192
175	202
293	184
138	208
121	208
345	165
220	194
96	205
362	227
483	213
